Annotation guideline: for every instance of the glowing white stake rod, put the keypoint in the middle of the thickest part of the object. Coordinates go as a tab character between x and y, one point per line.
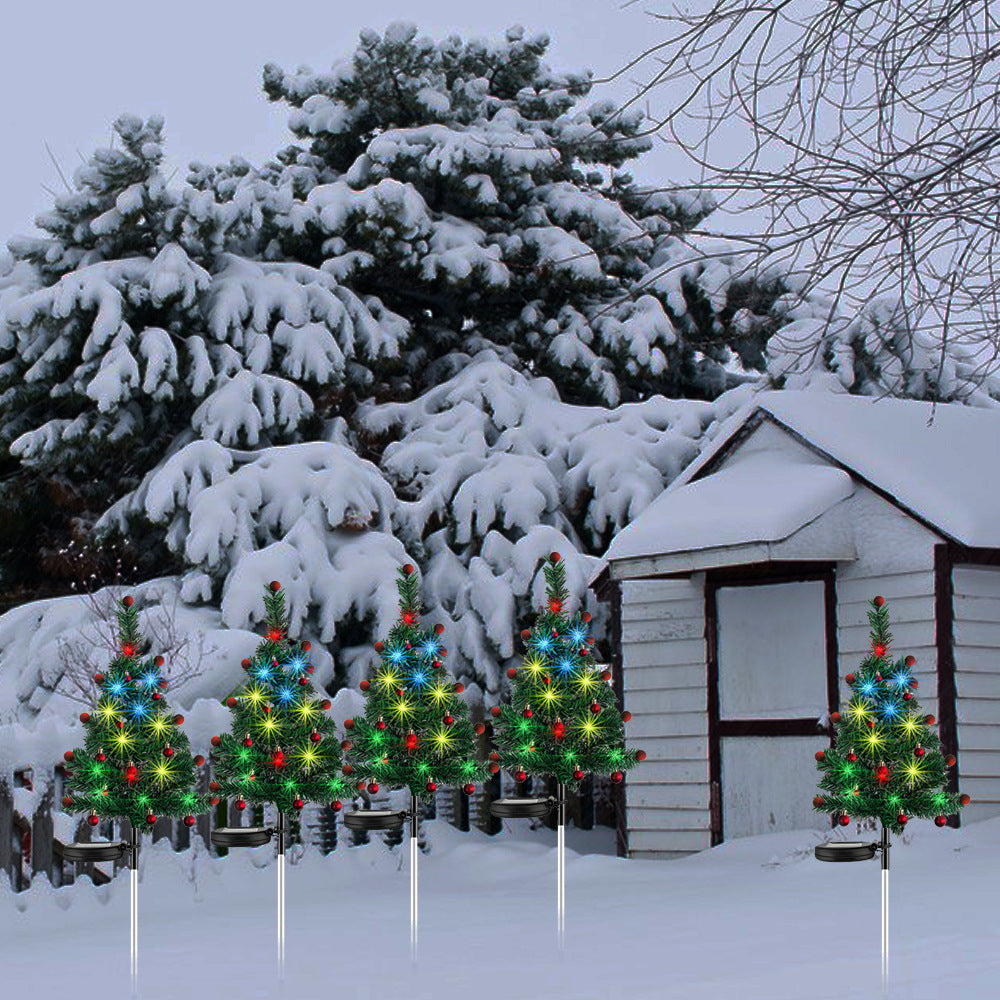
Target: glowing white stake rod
561	867
414	853
133	862
885	911
280	829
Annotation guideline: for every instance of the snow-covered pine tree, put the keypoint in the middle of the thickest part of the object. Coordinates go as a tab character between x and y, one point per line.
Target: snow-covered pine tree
406	338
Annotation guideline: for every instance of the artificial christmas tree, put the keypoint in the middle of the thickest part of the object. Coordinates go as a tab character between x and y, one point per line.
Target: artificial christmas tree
886	763
282	748
136	762
563	719
416	732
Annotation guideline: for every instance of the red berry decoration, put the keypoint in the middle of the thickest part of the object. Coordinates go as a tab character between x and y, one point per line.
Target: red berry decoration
231	702
616	777
347	769
606	676
99	678
835	717
820	755
438	629
526	634
408	569
871	724
198	760
245	664
495	711
910	660
555	557
950	760
640	755
878	602
379	646
469	788
213	786
361	785
93	820
479	729
365	685
85	716
459	688
127	601
494	768
348	723
373	787
818	802
68	756
214	800
844	820
512	672
914	682
964	799
431	787
189	820
67	801
336	805
178	720
849	678
929	720
494	756
216	741
346	745
626	716
325	705
275	586
940	820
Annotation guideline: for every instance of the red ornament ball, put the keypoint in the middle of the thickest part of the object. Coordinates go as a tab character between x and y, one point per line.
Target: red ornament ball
626	716
495	711
275	586
448	720
99	678
940	820
216	741
314	736
168	751
248	742
336	805
189	820
303	680
878	602
150	818
127	601
85	716
616	777
907	696
431	787
469	788
68	756
156	696
298	804
527	713
546	680
918	751
964	799
365	685
844	820
902	818
871	724
373	787
595	708
380	724
512	672
240	804
852	756
93	820
577	774
640	755
520	776
99	756
821	755
480	729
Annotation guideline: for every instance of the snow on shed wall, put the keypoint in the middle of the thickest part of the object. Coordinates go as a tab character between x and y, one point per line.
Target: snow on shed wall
665	681
977	679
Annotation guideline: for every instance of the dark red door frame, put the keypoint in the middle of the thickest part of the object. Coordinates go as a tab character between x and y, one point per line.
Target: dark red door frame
759	574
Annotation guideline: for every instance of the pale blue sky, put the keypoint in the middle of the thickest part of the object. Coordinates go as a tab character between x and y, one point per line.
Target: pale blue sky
68	68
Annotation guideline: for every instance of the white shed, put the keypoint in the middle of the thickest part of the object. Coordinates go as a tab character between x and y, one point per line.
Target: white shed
739	601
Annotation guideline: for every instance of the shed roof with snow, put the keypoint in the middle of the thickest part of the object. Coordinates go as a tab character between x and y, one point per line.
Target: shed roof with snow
740	596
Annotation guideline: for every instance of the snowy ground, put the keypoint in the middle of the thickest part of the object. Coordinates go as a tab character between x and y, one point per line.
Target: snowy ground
755	918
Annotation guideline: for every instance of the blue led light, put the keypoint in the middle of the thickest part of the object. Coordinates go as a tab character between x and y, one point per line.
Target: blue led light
117	688
868	688
149	679
418	678
396	652
139	709
544	643
901	679
564	666
297	664
890	709
430	648
577	635
285	694
263	672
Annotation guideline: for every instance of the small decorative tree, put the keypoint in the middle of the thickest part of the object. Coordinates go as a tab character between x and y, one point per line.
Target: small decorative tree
563	719
282	748
136	762
886	763
415	733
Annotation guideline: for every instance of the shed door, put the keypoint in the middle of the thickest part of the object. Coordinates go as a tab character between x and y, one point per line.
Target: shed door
772	676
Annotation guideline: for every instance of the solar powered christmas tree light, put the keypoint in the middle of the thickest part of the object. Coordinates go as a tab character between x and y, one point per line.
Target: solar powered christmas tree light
415	732
136	762
886	763
282	748
563	720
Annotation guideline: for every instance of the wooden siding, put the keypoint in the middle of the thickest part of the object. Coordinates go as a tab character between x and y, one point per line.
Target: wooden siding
663	657
977	680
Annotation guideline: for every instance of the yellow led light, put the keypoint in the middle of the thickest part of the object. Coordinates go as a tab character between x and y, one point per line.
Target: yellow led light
442	739
107	711
914	772
159	724
874	740
589	728
439	693
909	725
388	678
549	696
402	708
857	711
585	680
307	757
307	711
162	772
534	665
123	740
255	695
